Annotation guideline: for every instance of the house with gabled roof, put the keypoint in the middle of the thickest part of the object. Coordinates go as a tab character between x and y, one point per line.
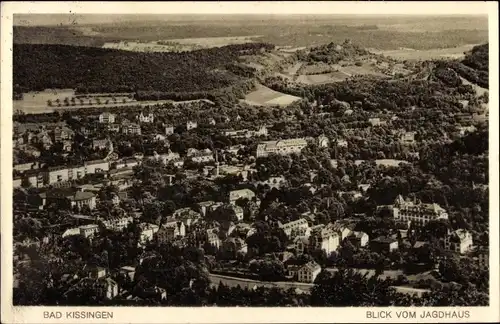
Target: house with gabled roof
308	272
459	241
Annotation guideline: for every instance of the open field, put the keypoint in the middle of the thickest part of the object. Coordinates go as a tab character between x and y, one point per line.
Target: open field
36	102
37	109
264	96
180	44
321	73
322	78
412	54
365	69
215	41
292	70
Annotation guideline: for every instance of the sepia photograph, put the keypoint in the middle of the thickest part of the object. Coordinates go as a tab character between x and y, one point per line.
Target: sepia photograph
250	160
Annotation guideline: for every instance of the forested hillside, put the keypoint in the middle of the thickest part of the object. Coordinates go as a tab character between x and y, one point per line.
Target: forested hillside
39	67
474	67
477	58
333	53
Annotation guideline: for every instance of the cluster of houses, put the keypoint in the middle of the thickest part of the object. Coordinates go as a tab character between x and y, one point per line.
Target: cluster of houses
306	237
128	127
184	223
27	137
187	225
108	285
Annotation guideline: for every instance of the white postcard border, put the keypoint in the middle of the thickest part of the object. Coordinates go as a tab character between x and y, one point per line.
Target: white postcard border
11	314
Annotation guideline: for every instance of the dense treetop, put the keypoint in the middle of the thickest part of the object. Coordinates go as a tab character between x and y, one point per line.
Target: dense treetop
478	57
39	67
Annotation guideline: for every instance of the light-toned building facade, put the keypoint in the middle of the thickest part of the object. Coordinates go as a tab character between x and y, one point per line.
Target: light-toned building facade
96	166
191	125
309	272
384	244
146	118
343	230
407	138
88	230
282	147
459	241
69	198
240	194
360	239
203	157
298	224
107	118
118	223
324	239
238	212
170	231
417	212
106	288
169	130
147	233
102	144
131	129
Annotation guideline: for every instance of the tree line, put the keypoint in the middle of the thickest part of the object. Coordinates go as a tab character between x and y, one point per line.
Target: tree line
87	69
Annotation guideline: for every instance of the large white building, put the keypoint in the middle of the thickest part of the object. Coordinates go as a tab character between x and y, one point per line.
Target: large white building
297	225
283	147
324	239
67	173
117	223
417	212
459	241
88	230
242	193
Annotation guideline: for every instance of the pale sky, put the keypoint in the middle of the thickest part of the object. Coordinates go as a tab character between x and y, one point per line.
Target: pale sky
90	19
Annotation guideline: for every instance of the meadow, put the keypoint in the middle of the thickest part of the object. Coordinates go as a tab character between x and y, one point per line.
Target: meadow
264	96
429	54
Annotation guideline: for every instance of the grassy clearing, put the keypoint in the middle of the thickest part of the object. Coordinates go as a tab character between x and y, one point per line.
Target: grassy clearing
265	96
292	70
411	54
216	41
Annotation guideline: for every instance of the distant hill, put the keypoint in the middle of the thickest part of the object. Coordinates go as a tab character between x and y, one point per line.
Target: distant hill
478	57
55	35
473	68
333	53
88	69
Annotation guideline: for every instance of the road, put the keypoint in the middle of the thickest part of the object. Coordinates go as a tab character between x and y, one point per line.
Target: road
229	281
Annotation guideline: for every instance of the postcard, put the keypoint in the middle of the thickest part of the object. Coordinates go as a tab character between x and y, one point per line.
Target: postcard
249	162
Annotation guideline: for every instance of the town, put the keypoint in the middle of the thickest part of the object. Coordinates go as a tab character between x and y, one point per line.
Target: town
252	221
369	191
